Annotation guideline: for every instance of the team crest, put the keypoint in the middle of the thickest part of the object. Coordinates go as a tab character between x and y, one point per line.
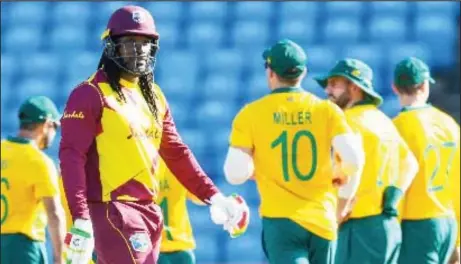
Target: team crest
138	17
355	73
140	242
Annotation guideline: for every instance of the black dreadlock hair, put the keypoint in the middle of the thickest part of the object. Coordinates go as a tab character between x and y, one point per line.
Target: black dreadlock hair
146	83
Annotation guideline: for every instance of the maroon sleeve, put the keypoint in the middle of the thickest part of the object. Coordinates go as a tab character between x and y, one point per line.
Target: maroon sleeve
80	124
183	164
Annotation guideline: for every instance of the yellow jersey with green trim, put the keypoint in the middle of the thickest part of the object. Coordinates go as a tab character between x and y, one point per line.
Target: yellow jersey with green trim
384	149
28	175
290	132
177	231
433	137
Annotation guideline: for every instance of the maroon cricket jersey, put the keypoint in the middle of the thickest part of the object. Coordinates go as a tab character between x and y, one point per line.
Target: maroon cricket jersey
110	149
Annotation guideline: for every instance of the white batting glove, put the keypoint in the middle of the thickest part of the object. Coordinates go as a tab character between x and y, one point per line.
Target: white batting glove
232	212
79	242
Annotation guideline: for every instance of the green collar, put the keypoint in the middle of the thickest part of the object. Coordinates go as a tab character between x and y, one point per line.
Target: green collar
19	140
366	101
287	90
411	108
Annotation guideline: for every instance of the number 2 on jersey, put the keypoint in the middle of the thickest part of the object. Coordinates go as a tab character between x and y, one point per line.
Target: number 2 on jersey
283	140
4	201
435	172
164	206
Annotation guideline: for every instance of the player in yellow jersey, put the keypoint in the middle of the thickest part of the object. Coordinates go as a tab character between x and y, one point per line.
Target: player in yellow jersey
29	188
284	139
372	232
432	201
177	238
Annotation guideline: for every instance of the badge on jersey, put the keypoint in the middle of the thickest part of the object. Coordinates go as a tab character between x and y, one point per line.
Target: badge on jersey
140	242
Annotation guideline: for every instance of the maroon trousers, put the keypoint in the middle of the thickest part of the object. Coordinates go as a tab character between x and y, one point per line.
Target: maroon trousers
127	232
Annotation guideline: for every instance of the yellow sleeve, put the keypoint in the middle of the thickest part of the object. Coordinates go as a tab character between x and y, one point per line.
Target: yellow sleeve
241	130
338	121
46	184
402	169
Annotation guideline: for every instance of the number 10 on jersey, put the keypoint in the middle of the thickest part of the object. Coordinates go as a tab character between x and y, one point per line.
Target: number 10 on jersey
285	142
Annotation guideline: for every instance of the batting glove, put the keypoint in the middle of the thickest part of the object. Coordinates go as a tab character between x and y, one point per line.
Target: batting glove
232	212
79	242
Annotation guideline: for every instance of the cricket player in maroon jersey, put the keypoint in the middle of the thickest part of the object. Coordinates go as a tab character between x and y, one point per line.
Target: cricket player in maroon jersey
115	128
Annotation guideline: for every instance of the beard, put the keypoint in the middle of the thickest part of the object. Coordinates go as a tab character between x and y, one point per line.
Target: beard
342	100
46	142
138	65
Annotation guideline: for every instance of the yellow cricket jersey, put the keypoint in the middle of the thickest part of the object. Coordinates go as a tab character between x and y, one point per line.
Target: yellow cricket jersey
433	137
177	232
384	152
28	175
290	132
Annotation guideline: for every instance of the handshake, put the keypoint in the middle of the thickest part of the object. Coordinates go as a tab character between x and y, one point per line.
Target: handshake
232	212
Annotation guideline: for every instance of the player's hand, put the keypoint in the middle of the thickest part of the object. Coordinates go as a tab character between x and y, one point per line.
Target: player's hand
339	181
343	218
232	212
455	256
339	178
344	212
59	261
79	242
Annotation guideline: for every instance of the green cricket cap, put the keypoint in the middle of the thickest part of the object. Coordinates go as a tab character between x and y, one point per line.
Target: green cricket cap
286	58
38	109
411	71
357	72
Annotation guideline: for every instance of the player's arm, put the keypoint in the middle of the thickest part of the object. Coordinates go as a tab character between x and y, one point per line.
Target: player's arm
183	164
48	191
194	199
77	136
408	168
56	225
348	146
239	165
